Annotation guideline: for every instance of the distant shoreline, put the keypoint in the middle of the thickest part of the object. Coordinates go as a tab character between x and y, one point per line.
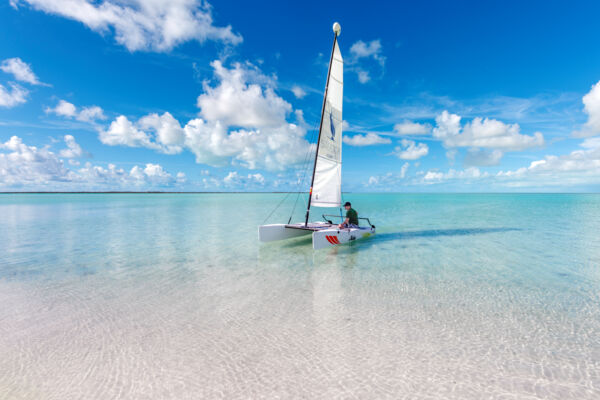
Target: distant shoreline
148	192
159	192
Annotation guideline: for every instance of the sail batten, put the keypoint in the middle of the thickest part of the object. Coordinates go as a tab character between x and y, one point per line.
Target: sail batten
327	183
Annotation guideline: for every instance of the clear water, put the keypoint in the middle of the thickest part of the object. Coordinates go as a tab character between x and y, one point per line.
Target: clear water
171	296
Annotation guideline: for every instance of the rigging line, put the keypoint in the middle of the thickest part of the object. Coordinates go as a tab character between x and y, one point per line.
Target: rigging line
307	157
305	170
278	205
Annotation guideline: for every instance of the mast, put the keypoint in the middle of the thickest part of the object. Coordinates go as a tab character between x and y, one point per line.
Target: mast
336	30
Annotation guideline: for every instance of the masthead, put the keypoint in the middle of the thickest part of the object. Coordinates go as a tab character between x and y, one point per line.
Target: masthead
337	28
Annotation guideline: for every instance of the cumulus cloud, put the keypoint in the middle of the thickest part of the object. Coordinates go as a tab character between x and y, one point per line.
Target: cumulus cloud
73	149
369	139
168	132
483	133
123	132
234	179
389	180
240	100
591	103
243	122
140	24
482	158
33	168
137	178
370	49
90	114
471	173
581	166
23	165
298	92
69	110
63	108
153	173
363	76
15	96
362	51
409	150
411	128
20	70
274	148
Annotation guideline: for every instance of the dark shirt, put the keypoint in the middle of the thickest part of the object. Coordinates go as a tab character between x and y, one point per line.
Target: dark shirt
352	216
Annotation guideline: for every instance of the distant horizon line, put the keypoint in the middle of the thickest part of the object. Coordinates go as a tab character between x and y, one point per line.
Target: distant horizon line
249	192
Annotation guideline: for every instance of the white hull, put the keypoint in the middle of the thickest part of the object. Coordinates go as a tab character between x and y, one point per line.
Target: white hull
323	234
273	232
335	237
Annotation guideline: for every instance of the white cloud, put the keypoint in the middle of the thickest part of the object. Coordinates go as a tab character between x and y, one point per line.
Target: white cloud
168	131
298	92
20	70
90	114
591	102
153	174
483	133
239	99
409	150
361	51
389	180
591	143
363	76
273	148
138	178
369	139
448	125
64	109
580	167
482	158
17	95
123	132
467	174
371	49
73	149
26	165
140	24
575	168
69	110
233	179
244	123
412	128
31	168
451	156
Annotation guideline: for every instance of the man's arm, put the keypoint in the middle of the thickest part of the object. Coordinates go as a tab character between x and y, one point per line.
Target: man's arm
346	221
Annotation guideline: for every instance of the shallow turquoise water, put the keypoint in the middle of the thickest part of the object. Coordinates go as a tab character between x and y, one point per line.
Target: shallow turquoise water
171	296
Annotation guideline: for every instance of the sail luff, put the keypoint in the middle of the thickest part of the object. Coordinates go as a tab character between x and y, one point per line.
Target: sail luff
321	127
326	185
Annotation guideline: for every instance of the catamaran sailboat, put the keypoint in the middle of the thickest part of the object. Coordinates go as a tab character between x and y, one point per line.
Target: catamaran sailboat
326	183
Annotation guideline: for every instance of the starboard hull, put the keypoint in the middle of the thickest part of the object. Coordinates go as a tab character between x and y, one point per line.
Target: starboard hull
323	234
335	237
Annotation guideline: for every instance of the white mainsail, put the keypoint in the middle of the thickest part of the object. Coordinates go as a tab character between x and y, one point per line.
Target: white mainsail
327	185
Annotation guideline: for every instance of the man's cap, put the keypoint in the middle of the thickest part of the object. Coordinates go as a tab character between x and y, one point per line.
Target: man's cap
348	204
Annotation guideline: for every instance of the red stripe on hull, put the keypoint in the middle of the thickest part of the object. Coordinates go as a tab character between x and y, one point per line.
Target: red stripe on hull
332	239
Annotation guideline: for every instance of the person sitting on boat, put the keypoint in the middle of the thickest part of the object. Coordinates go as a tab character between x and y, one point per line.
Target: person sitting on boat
351	220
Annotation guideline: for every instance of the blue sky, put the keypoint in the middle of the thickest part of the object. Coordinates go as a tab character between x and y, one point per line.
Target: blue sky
191	96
